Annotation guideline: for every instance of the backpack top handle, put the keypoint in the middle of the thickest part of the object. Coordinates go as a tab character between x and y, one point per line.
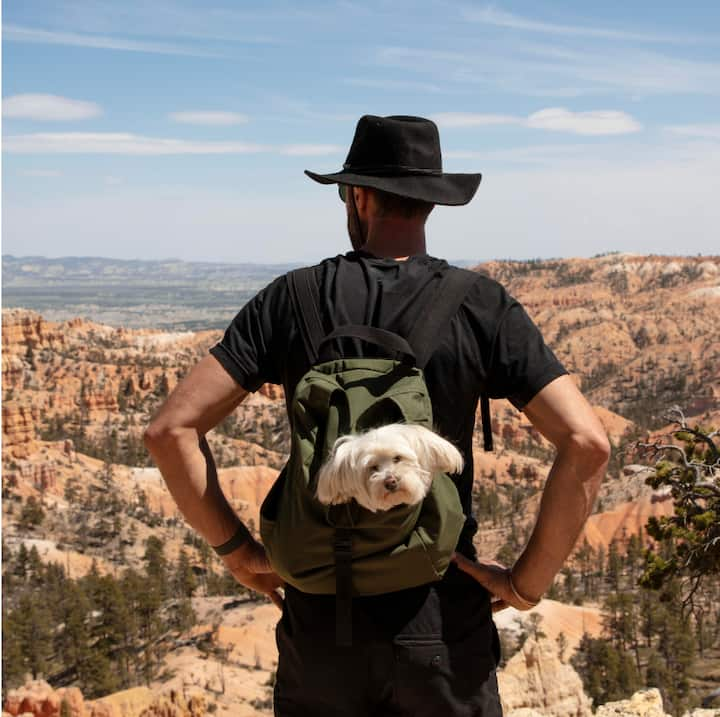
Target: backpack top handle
385	339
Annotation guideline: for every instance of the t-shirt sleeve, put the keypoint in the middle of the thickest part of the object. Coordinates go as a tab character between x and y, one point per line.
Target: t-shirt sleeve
521	363
249	349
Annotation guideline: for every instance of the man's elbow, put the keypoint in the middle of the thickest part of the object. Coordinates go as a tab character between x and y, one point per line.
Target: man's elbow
159	435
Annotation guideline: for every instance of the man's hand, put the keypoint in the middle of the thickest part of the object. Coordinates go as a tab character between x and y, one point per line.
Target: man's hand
249	565
495	578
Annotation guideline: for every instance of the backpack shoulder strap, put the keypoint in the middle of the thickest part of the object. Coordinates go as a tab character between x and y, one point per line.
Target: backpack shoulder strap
486	424
304	295
441	306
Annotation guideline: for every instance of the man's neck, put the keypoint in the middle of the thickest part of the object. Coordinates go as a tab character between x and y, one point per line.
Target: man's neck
395	240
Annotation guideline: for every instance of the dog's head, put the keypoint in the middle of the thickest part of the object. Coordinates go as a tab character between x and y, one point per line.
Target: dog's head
385	467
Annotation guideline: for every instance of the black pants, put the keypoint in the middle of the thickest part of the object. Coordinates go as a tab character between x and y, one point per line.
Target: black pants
430	651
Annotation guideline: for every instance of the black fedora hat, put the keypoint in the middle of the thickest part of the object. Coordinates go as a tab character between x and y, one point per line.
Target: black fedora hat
401	155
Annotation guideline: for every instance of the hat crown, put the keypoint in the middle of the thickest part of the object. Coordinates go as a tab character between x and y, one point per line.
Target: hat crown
396	145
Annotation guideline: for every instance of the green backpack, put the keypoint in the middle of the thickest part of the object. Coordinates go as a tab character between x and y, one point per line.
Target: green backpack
347	550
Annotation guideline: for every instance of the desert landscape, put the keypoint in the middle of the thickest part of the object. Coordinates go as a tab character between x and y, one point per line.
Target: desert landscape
84	509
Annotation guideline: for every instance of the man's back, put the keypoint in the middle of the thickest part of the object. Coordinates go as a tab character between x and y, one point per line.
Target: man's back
489	345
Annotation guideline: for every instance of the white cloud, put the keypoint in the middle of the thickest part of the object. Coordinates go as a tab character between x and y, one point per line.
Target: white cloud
705	131
18	33
50	108
638	72
40	173
133	144
310	150
112	181
217	119
118	143
595	122
543	69
498	18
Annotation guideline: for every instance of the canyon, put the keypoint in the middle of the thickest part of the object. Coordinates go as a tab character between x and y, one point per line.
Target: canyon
637	333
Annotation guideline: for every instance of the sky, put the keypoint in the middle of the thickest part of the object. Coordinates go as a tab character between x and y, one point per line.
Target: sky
181	129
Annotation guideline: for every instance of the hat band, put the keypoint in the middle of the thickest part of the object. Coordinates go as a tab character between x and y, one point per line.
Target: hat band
389	170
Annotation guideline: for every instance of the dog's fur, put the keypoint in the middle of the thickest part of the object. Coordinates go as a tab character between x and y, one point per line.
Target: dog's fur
385	467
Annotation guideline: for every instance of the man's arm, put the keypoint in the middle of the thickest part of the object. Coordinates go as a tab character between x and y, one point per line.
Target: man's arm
176	440
561	413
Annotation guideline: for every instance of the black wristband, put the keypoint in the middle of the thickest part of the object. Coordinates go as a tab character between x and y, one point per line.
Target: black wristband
242	534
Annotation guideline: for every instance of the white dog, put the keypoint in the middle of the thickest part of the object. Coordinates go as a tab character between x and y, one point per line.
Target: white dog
385	467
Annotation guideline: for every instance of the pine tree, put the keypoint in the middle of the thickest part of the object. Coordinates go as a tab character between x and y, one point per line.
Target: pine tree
72	490
144	603
99	678
676	645
34	568
692	471
31	515
73	640
656	673
112	628
13	666
185	580
535	620
607	673
622	622
614	566
183	616
562	645
20	566
553	592
569	585
634	557
585	556
34	632
156	565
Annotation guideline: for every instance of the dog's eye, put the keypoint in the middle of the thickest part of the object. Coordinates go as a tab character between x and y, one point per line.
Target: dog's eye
375	468
397	459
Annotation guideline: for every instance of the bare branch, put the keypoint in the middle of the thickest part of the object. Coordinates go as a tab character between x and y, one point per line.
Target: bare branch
712	487
671	414
690	465
689	598
676	415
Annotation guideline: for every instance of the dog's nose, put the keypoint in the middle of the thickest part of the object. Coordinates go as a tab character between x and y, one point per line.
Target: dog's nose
391	483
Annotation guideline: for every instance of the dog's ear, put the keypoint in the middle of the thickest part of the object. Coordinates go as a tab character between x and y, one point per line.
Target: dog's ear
434	453
336	477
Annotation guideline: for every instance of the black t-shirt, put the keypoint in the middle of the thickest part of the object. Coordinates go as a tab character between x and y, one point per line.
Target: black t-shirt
490	345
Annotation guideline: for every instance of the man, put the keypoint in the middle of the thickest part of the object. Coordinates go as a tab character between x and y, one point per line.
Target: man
432	649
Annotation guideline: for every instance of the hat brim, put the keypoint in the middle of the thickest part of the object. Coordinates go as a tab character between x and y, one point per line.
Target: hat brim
446	189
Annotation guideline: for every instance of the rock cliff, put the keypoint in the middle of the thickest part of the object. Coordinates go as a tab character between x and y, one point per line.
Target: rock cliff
38	699
19	429
536	679
23	328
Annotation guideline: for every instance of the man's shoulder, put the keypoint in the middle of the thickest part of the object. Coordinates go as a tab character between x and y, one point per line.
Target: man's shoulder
280	281
482	284
318	267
